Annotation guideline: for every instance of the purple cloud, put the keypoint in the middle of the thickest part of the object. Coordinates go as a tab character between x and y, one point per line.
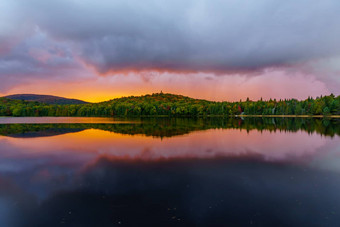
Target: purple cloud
210	36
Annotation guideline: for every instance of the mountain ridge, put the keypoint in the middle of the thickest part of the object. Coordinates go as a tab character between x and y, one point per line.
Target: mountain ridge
47	99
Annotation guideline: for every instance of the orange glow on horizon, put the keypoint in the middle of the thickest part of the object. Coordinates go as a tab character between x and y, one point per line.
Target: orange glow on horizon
93	144
208	86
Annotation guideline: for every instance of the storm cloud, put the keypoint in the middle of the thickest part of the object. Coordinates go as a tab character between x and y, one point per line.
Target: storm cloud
190	35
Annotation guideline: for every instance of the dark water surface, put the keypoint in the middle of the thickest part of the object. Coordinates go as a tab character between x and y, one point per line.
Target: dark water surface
169	172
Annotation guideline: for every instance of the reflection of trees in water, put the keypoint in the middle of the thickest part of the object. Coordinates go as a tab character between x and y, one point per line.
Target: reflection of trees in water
168	127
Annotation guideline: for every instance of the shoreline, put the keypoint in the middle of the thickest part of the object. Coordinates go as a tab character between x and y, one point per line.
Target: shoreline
292	116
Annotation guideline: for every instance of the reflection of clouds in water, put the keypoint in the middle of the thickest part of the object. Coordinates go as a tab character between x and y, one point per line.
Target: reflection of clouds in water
4	212
48	164
88	171
200	192
88	145
328	158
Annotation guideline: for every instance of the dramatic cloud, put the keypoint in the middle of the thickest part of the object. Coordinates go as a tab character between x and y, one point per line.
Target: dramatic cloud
39	58
71	38
192	35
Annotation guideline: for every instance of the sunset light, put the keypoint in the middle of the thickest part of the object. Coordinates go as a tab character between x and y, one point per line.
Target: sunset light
169	113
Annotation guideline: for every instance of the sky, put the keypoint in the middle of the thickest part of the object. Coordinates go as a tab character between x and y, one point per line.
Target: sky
211	49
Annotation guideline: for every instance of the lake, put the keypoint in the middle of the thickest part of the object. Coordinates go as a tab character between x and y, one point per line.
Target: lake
169	172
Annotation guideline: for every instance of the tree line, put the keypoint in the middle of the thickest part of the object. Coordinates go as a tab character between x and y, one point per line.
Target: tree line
162	104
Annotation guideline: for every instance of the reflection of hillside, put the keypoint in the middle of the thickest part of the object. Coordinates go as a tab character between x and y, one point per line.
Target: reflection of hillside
45	132
37	130
168	127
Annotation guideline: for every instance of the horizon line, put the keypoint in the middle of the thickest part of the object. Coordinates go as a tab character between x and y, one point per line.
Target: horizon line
145	94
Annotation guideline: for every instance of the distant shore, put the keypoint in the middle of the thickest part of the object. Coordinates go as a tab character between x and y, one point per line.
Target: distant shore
304	116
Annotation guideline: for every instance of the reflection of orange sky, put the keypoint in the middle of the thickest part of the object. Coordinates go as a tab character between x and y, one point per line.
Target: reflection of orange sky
201	144
271	84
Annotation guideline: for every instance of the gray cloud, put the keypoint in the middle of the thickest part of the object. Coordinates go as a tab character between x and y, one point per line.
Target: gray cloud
192	35
200	35
37	58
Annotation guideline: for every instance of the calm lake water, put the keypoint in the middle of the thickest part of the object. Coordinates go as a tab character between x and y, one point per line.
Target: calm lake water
169	172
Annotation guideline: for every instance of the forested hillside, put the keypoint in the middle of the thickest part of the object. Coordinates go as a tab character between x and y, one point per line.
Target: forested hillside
47	99
174	105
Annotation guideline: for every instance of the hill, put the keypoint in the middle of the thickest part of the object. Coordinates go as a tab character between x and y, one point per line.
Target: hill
155	97
47	99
